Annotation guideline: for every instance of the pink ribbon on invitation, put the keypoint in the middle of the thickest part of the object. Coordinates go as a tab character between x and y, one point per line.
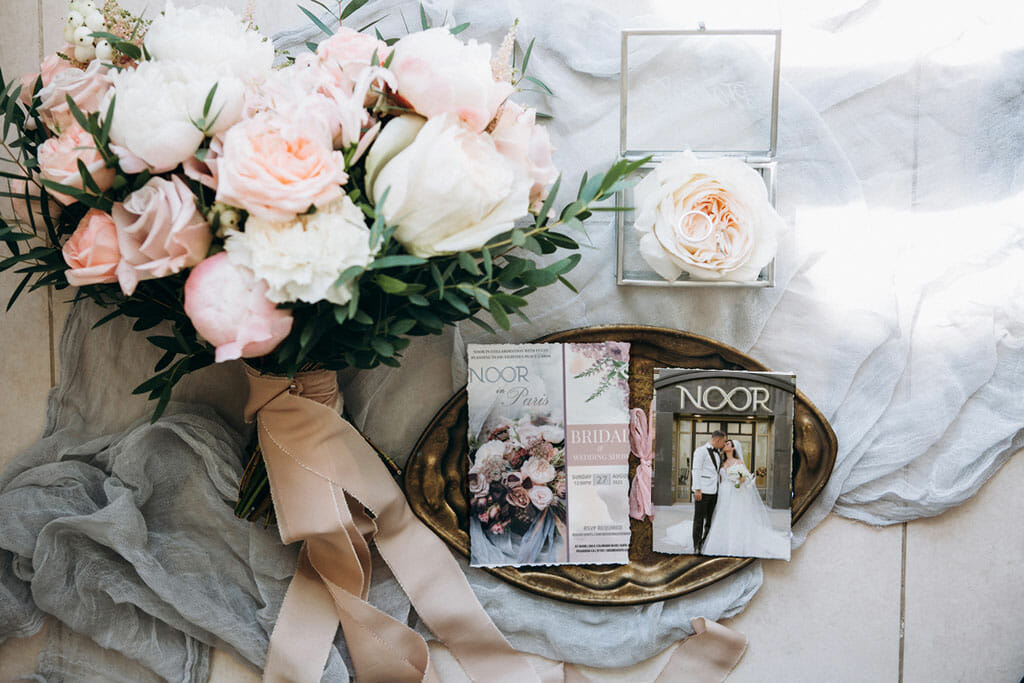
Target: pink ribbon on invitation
331	491
641	444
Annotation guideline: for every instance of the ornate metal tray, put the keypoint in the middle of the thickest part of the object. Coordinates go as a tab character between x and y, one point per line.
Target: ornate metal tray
436	486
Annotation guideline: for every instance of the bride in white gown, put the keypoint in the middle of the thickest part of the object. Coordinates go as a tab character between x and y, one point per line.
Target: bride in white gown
740	524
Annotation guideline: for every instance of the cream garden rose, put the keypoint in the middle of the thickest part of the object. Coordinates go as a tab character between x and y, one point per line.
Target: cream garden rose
275	168
449	190
710	218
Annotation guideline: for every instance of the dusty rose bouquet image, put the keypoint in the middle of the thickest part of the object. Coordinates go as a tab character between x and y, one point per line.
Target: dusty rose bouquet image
517	485
306	212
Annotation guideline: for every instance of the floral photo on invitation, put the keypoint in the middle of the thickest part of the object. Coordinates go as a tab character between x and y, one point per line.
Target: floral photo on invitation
548	454
723	463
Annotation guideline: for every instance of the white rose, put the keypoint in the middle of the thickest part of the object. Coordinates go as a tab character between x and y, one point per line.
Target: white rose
708	217
539	470
490	449
153	113
439	74
212	40
449	190
302	259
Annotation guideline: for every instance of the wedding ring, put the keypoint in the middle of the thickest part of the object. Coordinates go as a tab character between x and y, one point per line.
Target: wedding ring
700	238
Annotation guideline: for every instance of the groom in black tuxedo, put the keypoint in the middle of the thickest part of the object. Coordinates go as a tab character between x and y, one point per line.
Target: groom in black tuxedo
704	484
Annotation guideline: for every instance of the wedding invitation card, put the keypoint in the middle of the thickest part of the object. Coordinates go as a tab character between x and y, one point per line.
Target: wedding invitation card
548	454
723	462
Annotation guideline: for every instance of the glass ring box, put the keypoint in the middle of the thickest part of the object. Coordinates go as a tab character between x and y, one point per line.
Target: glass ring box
714	93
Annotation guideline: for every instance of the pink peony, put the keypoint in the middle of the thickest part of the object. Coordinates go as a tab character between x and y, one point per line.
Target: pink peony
347	54
229	309
160	231
439	74
92	253
275	169
517	136
59	157
86	88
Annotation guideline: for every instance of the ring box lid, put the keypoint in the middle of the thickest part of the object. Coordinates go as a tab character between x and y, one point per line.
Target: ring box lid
714	92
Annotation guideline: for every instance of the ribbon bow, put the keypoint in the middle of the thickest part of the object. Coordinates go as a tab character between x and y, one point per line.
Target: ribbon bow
641	444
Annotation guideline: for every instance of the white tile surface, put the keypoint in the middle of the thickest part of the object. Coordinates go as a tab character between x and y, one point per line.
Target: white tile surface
965	588
831	614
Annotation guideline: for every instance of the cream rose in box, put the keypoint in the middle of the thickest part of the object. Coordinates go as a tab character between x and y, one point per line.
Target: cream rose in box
709	218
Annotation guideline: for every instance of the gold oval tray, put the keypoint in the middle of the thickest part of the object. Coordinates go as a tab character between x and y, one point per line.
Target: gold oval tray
435	478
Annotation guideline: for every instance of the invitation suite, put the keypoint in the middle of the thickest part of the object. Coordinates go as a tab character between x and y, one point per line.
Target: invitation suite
548	454
723	462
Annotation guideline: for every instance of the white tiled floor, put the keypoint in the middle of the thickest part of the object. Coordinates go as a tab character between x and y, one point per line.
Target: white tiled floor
832	614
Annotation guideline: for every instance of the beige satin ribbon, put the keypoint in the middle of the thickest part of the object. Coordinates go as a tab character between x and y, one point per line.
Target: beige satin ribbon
331	490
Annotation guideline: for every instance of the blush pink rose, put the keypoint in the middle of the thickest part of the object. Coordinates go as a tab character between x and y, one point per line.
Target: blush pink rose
30	211
348	53
517	136
50	67
59	157
541	497
91	252
275	169
229	308
438	74
87	89
160	232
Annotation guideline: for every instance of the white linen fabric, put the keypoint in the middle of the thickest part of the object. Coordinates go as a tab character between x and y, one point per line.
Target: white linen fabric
898	304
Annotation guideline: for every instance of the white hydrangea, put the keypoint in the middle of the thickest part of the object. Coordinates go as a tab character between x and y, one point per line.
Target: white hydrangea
302	259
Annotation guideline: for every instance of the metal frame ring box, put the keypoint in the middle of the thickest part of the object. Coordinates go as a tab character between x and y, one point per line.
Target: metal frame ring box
729	80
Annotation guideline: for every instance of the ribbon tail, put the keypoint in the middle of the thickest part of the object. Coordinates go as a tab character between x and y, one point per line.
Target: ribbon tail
332	490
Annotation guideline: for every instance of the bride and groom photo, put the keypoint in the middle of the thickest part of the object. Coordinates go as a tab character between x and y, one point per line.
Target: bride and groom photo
723	475
729	517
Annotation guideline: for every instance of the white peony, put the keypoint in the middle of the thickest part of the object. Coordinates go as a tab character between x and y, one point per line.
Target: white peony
449	190
211	40
302	259
157	103
708	217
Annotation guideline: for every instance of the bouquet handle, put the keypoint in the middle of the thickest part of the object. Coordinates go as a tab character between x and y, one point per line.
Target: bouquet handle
332	492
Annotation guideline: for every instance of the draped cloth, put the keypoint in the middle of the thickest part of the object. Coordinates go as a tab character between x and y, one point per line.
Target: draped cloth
332	492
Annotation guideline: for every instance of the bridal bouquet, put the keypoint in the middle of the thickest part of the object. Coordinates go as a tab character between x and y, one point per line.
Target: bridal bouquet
517	482
308	216
738	475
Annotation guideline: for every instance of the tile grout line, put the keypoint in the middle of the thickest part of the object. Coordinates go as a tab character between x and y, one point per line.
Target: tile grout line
49	292
903	599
